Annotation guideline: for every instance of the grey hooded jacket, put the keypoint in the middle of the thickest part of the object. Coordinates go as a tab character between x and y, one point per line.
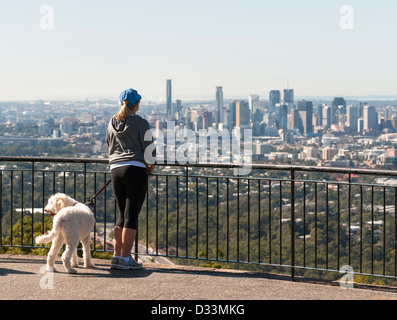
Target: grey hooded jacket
126	140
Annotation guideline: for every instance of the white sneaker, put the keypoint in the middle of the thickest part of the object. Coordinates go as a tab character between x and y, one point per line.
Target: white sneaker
127	265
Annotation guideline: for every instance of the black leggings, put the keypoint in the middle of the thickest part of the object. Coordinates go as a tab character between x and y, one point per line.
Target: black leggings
129	187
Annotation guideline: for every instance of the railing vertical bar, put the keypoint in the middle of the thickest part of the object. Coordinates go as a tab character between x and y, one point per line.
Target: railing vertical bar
104	212
177	216
43	203
33	182
217	219
187	210
166	222
281	222
53	182
326	202
12	203
395	231
249	218
64	182
315	224
372	229
304	224
259	221
384	230
22	215
361	228
207	222
197	217
349	213
238	219
1	208
227	218
75	184
85	182
338	256
157	214
327	222
270	221
292	225
95	229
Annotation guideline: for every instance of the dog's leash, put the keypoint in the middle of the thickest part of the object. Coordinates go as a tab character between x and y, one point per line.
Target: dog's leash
90	203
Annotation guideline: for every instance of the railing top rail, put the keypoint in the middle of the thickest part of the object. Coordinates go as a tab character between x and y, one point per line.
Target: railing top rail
254	166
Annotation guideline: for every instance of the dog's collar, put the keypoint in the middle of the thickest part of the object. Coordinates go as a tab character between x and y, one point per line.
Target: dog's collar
52	214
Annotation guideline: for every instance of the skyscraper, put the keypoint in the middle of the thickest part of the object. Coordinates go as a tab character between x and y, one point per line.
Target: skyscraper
305	109
169	98
289	96
352	118
253	102
274	98
242	114
219	112
370	118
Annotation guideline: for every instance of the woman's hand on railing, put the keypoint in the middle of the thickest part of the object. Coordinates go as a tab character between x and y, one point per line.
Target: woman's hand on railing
150	168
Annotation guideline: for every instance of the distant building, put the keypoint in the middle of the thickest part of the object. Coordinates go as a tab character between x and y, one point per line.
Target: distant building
305	109
339	104
219	111
253	102
274	98
169	98
328	153
370	118
352	118
289	96
242	114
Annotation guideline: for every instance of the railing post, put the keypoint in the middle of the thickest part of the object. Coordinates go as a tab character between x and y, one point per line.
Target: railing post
292	225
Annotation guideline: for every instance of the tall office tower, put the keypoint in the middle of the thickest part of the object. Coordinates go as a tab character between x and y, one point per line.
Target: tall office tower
231	116
339	104
305	109
169	98
178	105
283	118
242	114
352	118
219	112
327	117
289	96
370	118
388	113
253	102
295	120
207	119
274	98
318	111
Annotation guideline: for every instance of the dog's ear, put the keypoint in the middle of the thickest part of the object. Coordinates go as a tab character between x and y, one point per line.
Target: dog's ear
60	203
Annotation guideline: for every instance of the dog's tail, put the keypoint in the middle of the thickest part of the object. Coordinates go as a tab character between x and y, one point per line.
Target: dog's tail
45	238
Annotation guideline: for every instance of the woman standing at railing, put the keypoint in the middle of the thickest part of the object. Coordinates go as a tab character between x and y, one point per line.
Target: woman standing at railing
127	144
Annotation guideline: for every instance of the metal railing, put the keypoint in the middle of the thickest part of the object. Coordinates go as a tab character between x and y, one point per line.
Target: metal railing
292	217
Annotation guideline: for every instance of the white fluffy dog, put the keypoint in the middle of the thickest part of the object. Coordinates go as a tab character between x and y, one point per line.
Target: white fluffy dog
73	222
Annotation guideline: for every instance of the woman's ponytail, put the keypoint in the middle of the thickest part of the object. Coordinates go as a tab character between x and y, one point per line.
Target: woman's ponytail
123	112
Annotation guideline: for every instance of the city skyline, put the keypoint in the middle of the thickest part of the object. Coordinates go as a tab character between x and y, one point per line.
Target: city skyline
95	50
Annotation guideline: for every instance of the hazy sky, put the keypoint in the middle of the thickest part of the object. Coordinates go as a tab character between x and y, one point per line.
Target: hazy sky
99	48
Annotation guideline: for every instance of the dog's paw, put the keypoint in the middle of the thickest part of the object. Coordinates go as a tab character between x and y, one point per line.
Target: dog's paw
89	265
71	271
